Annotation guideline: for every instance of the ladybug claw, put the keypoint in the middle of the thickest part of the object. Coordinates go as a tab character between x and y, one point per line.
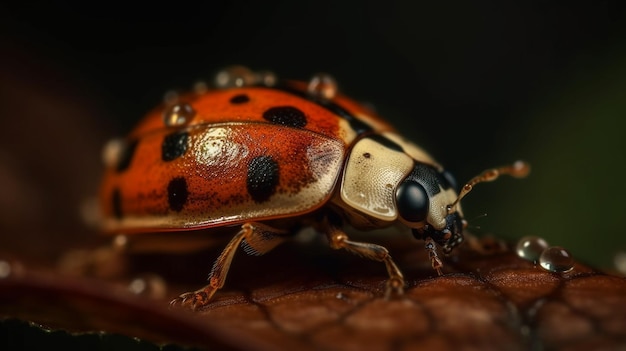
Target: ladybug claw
193	300
176	302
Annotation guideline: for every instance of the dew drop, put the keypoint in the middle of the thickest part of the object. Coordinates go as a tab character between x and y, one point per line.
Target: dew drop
149	285
200	87
234	77
620	262
530	248
323	86
267	78
556	259
112	151
5	269
120	243
137	286
11	269
178	114
170	97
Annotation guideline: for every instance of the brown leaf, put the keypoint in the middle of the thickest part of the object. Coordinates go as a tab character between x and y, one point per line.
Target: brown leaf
308	297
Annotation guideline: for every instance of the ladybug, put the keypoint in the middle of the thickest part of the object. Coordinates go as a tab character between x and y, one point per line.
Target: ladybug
272	157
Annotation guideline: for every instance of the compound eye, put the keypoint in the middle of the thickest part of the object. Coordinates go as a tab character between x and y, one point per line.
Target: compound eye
412	201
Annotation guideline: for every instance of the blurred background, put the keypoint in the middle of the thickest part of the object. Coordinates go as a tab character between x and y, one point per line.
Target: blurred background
478	85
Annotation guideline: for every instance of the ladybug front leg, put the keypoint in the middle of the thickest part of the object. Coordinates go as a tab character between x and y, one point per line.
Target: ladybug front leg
259	239
435	261
339	240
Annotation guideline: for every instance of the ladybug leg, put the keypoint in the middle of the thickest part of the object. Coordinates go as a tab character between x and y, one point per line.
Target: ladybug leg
263	239
259	239
435	262
339	240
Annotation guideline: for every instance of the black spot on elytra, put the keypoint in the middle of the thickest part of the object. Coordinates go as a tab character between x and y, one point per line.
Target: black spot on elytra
126	156
356	124
263	176
239	99
177	193
286	116
174	146
116	202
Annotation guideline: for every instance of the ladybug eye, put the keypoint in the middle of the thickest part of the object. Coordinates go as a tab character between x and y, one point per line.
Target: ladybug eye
412	201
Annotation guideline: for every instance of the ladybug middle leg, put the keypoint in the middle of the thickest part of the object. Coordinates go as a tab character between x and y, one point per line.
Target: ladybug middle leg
256	239
338	239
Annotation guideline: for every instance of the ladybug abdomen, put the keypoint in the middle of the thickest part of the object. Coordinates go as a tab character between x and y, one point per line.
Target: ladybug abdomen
208	175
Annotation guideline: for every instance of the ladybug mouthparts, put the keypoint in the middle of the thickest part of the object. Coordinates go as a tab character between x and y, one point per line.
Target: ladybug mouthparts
449	237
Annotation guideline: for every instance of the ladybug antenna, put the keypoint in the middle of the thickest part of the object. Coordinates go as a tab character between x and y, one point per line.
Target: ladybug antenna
519	169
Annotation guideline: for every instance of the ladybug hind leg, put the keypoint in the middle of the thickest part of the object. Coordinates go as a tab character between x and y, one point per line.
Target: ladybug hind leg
338	239
255	238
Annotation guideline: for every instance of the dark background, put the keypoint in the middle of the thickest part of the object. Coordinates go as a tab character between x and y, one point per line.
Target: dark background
476	84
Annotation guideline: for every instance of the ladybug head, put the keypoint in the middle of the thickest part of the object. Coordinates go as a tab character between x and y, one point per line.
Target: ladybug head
428	202
423	200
